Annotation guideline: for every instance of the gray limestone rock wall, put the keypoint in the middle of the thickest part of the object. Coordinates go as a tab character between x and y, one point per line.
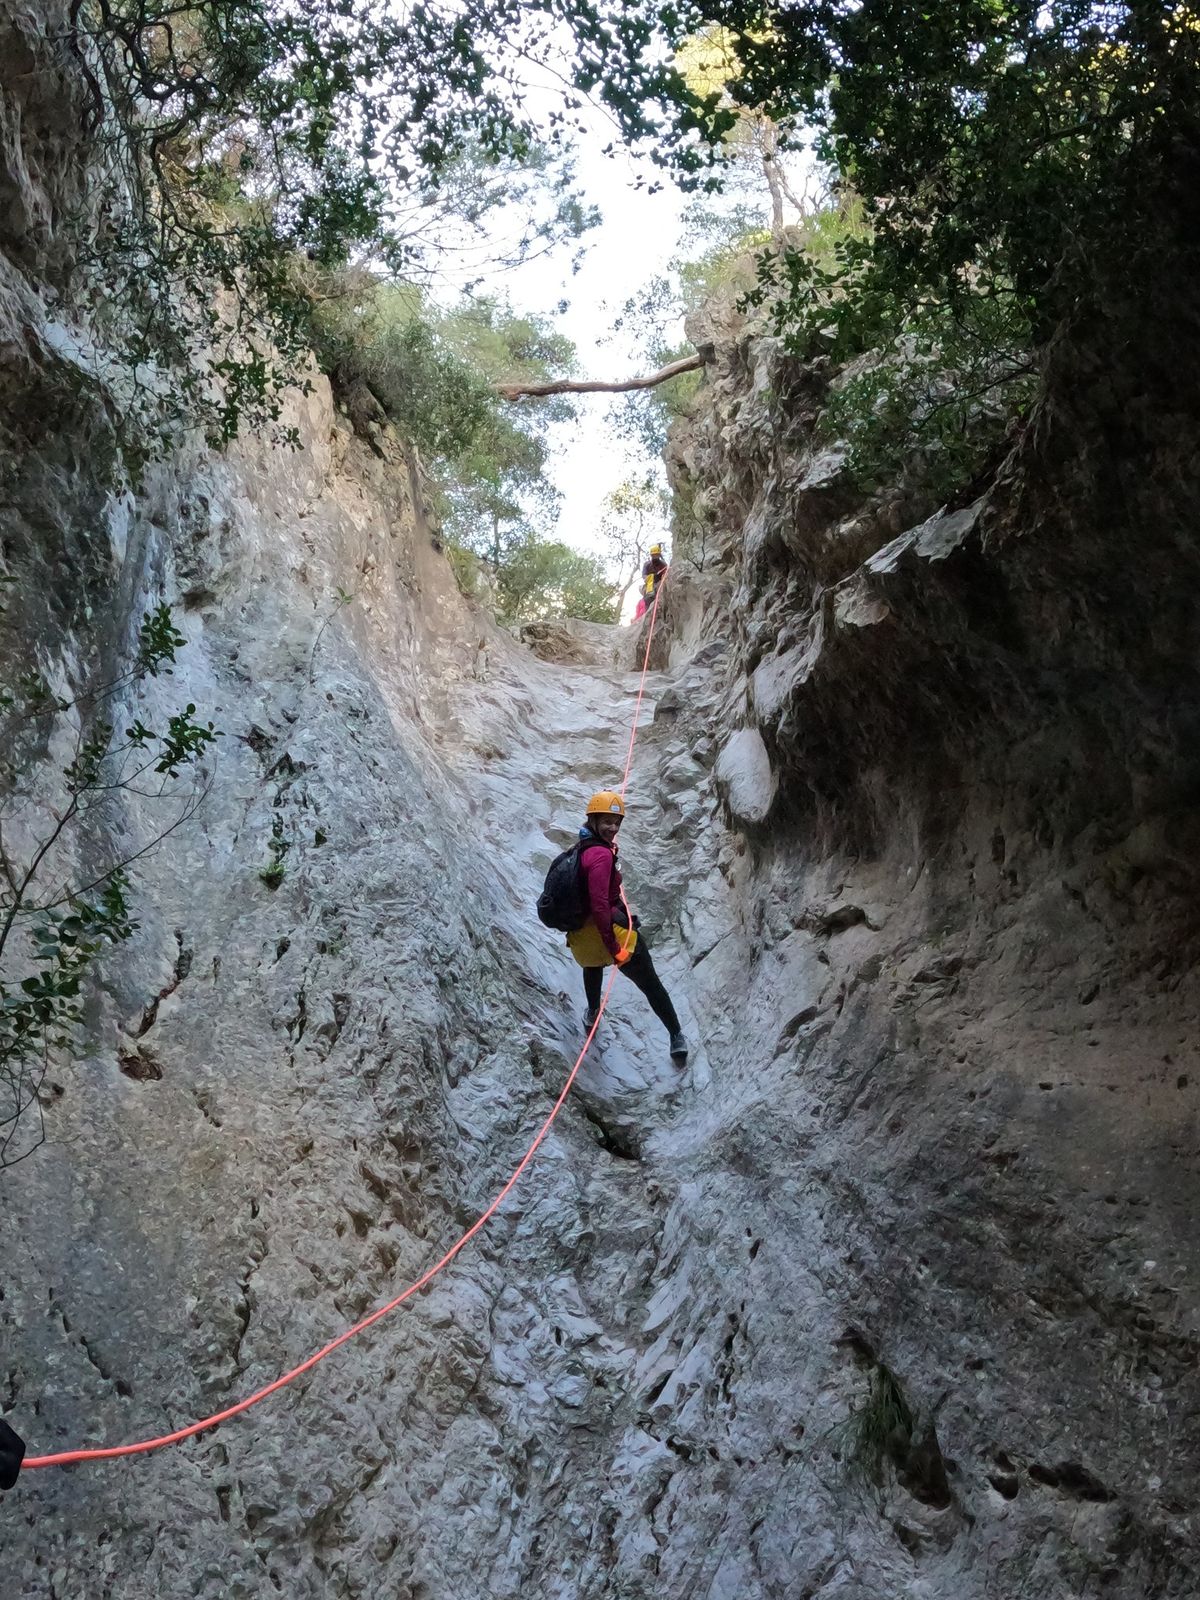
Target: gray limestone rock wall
289	1100
293	1098
945	767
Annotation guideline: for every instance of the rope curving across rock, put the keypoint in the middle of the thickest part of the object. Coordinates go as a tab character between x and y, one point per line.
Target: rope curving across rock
64	1458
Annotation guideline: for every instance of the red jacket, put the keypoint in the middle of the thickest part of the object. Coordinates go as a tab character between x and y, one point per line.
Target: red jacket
602	877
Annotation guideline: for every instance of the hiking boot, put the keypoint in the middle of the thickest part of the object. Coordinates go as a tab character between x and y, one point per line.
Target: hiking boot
589	1019
679	1048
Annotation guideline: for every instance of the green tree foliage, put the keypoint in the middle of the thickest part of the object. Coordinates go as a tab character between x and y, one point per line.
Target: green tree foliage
383	337
715	261
1017	148
933	403
753	143
489	213
635	516
434	373
499	502
1040	155
497	491
238	138
53	930
544	578
1015	168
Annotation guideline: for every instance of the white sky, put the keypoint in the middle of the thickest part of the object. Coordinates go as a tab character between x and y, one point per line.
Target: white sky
637	237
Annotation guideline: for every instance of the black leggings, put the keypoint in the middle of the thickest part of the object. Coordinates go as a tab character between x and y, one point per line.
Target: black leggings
639	969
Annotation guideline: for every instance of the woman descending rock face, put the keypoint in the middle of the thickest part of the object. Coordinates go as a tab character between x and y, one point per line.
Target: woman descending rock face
607	936
653	572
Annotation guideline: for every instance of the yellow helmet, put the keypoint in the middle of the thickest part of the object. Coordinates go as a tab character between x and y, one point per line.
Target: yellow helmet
606	802
656	549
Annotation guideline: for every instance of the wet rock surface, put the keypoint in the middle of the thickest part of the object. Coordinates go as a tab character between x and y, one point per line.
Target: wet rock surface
298	1095
964	1043
938	1128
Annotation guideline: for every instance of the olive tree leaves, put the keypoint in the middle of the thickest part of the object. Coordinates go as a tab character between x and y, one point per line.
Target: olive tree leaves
238	141
57	919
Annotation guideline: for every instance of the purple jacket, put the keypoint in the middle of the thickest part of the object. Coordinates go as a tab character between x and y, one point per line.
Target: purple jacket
602	878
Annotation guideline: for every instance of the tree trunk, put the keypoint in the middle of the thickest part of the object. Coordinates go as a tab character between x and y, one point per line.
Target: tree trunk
774	177
518	391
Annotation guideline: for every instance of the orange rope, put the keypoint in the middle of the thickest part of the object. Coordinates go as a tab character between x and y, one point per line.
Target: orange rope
64	1458
642	683
637	711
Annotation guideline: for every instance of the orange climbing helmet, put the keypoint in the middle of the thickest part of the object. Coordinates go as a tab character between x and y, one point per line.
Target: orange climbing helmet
606	803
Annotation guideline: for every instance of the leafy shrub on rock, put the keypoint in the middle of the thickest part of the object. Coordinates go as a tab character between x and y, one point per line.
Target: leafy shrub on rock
435	374
69	918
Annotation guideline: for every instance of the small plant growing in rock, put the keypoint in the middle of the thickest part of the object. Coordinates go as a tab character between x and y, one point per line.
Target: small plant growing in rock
68	924
887	1431
878	1431
341	599
272	874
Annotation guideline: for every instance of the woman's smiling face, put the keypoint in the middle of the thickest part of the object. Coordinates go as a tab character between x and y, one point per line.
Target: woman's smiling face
605	827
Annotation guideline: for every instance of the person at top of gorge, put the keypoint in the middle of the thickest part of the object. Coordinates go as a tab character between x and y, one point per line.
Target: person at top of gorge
653	571
611	933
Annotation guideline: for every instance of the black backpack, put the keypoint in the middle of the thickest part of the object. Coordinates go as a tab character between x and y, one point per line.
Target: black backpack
563	903
12	1453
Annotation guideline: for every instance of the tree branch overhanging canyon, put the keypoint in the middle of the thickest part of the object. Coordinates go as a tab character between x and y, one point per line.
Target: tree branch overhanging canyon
532	391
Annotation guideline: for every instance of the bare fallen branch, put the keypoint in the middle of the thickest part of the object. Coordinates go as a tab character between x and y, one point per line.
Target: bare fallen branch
521	391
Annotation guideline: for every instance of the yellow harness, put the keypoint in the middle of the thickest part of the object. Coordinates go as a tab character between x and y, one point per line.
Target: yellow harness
588	947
